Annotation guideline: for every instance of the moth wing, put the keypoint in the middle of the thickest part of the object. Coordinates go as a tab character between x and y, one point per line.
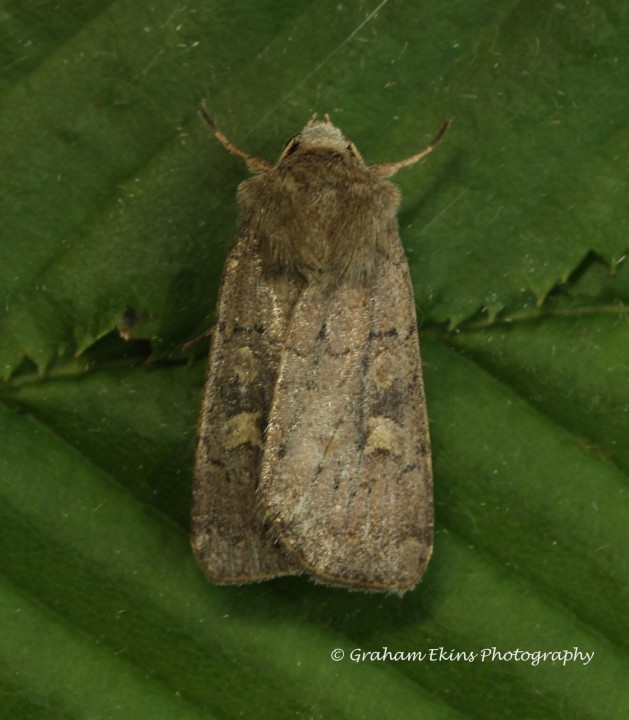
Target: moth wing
347	479
230	542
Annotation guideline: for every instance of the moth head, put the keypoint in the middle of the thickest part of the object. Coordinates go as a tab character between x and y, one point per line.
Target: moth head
321	135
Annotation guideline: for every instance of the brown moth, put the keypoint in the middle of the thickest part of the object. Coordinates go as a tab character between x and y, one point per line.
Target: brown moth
313	449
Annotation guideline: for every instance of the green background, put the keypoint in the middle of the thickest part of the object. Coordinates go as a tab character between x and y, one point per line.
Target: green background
116	212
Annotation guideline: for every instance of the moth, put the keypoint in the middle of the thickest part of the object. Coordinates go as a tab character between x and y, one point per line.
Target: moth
313	450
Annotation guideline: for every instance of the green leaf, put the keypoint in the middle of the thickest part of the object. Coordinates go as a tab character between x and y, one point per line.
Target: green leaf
118	207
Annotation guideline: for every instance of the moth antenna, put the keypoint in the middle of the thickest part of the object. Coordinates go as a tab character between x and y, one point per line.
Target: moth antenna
389	169
254	163
326	118
313	119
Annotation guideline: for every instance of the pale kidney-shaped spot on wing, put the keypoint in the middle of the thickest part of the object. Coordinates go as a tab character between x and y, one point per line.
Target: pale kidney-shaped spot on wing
243	429
385	435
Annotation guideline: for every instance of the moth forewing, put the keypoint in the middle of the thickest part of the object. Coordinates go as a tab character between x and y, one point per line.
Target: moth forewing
230	543
313	453
346	480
